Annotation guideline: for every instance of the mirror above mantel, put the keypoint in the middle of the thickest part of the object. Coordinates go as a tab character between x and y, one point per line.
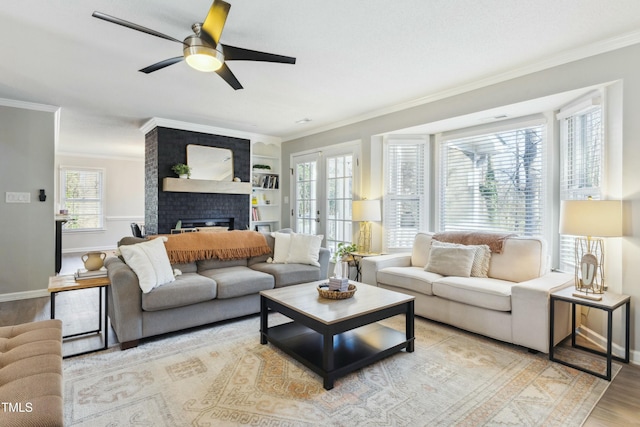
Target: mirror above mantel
212	163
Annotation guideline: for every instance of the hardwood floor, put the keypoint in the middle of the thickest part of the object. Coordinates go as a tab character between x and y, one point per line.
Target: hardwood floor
619	406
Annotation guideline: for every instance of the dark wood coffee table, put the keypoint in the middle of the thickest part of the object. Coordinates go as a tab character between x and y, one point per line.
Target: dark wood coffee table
336	337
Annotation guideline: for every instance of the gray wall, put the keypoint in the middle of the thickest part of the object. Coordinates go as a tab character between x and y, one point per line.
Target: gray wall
27	146
620	65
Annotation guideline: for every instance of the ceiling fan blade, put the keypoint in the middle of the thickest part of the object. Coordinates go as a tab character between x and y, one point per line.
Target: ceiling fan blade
162	64
228	77
133	26
214	22
232	53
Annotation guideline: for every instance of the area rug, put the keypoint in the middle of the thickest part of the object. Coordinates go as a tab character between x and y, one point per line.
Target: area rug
222	376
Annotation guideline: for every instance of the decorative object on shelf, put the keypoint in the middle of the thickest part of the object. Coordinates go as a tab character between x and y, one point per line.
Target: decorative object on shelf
324	292
602	218
182	170
365	211
93	260
264	167
263	228
236	179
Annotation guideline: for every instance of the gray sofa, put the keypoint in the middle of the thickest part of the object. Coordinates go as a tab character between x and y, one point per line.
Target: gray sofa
207	291
511	304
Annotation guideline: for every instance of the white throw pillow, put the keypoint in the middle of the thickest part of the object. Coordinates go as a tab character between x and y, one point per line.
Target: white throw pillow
451	261
481	260
304	249
150	262
281	247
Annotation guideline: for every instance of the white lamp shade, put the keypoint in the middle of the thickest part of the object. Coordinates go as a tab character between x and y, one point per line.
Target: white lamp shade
599	218
366	210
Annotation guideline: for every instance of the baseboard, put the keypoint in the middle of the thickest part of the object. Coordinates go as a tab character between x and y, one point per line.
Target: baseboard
601	342
15	296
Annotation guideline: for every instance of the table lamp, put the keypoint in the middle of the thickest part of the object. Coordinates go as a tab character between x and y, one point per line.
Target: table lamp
601	218
365	211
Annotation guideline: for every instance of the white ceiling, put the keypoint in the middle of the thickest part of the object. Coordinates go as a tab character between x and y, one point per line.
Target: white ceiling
355	59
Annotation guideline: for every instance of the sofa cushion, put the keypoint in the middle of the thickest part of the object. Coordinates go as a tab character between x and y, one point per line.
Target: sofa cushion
492	294
209	264
289	274
451	261
481	258
238	281
150	262
185	267
420	250
187	289
522	259
412	278
304	249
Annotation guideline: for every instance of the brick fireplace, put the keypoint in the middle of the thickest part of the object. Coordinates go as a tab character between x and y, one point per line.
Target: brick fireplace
165	147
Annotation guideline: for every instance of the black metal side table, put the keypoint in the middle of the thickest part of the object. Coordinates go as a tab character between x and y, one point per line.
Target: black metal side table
609	303
68	283
357	257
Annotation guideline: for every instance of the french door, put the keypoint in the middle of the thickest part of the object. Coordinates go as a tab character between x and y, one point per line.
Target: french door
322	192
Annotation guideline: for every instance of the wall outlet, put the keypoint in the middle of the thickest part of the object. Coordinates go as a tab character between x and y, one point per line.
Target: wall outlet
13	197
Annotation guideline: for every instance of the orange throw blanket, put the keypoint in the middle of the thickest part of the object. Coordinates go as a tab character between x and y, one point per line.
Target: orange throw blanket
225	245
493	240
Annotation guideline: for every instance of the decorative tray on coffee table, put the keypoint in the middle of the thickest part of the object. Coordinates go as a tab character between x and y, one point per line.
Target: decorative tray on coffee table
324	292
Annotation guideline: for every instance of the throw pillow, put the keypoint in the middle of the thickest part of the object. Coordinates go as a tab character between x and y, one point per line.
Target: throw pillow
150	262
481	260
281	247
304	249
451	261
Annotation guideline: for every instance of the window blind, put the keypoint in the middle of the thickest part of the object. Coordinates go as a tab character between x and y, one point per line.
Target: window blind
405	192
82	195
581	156
494	180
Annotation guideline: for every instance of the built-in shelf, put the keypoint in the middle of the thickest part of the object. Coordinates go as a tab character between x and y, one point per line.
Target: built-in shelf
182	185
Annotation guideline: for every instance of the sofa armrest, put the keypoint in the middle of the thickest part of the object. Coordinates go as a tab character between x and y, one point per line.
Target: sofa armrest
125	300
530	303
370	266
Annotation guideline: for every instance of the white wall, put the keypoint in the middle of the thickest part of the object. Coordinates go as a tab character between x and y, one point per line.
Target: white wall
27	236
124	194
619	65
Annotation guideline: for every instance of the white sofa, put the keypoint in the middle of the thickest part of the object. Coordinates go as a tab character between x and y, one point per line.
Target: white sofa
511	304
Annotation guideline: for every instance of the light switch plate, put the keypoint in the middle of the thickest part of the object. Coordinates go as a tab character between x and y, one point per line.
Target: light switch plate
14	197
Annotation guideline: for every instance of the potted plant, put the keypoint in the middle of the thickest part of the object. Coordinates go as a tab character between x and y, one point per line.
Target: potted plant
182	170
343	251
262	167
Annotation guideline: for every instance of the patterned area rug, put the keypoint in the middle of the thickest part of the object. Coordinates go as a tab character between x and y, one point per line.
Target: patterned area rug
222	376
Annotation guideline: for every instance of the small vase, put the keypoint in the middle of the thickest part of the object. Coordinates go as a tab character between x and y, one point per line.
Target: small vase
184	176
93	260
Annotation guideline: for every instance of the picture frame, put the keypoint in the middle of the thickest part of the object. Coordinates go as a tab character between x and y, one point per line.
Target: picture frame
263	228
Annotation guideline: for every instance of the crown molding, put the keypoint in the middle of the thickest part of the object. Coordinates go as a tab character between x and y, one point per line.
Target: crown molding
214	130
28	105
603	46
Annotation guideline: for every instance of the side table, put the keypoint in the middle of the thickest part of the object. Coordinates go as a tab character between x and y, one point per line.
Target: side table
609	303
357	257
69	283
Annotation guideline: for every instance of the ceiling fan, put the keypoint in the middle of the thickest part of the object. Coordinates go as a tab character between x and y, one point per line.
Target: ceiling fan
203	50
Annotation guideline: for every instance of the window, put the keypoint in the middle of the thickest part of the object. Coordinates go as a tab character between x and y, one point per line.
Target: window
581	155
81	193
494	179
405	192
339	196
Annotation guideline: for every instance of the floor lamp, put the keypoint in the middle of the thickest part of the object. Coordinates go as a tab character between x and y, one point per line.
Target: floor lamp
365	211
602	218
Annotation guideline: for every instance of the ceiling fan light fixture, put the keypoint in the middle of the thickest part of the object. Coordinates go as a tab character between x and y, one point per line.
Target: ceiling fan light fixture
201	57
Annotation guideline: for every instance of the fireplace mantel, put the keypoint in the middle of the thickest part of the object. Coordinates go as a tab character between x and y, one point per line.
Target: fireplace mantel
182	185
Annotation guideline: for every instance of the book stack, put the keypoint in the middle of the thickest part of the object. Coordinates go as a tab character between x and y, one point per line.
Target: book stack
83	273
339	284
